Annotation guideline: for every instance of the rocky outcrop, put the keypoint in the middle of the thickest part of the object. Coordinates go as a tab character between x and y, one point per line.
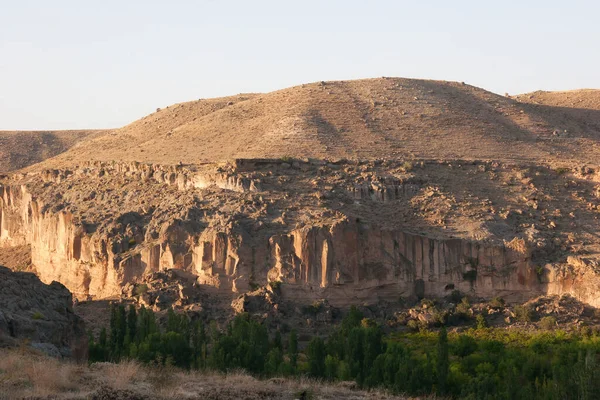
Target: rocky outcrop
248	238
40	314
346	261
184	177
384	189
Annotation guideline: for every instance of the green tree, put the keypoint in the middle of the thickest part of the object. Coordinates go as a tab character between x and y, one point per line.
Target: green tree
293	349
131	323
274	361
199	345
316	354
331	367
443	361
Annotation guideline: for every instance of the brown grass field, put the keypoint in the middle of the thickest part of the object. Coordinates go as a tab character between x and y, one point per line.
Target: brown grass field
28	375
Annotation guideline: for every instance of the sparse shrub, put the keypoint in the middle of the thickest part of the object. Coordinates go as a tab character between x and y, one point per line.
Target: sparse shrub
585	331
524	313
464	307
287	159
132	243
413	325
314	308
548	322
440	317
162	376
368	323
275	285
407	166
141	289
497	302
427	303
517	244
38	315
481	321
455	296
562	170
121	375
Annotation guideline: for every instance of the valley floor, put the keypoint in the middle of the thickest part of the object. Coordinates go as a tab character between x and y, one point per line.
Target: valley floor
24	374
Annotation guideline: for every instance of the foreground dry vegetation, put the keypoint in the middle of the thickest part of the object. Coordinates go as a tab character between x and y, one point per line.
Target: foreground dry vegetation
24	374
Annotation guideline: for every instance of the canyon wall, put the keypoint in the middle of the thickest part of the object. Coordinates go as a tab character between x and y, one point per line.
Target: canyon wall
345	261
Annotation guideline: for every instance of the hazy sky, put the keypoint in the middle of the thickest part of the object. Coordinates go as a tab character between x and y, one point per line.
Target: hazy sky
101	64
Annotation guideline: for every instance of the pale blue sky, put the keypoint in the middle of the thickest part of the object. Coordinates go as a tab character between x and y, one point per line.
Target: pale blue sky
69	64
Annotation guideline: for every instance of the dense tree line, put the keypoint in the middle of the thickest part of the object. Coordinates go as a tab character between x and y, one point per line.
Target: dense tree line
482	363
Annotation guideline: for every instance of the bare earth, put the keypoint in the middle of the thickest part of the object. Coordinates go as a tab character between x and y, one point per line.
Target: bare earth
21	149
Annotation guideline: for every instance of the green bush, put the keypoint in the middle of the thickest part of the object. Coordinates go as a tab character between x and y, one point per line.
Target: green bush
548	322
524	313
456	296
413	325
481	321
497	303
141	289
465	346
464	308
427	303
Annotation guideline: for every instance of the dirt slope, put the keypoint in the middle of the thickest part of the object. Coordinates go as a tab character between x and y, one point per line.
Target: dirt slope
583	99
374	118
19	149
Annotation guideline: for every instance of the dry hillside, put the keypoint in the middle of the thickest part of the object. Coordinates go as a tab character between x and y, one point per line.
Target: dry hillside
21	149
363	119
588	99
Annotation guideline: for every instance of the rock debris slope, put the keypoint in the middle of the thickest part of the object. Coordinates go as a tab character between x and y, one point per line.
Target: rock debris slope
354	191
42	315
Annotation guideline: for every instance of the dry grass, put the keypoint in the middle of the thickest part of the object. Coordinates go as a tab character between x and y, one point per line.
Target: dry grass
24	374
517	244
30	374
122	375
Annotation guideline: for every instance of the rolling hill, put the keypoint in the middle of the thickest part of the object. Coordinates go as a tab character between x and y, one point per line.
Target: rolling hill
19	149
362	119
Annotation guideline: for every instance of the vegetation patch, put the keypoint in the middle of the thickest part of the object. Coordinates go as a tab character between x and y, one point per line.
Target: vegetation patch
482	363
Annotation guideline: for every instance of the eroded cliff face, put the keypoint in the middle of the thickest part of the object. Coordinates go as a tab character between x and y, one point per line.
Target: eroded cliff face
345	259
234	232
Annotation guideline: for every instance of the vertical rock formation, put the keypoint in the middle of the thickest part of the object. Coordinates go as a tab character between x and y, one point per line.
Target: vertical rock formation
347	261
341	259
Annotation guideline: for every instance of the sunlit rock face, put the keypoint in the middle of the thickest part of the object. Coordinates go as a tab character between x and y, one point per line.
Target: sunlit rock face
98	227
